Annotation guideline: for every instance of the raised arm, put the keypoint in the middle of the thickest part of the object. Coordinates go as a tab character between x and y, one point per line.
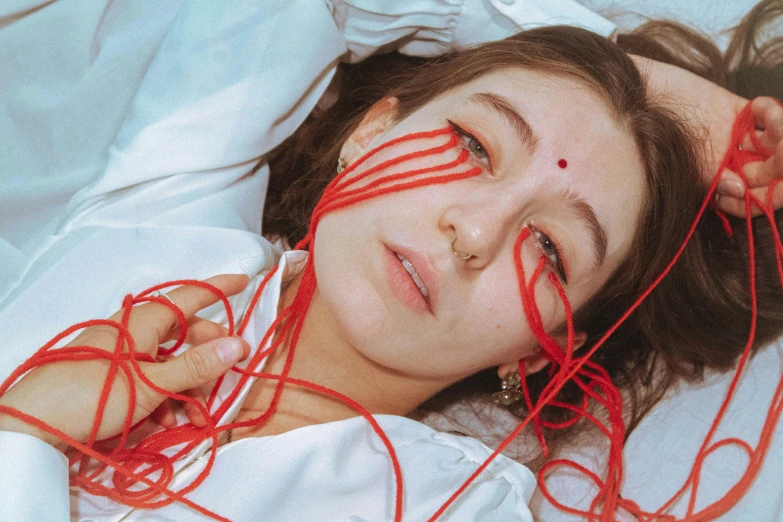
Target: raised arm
711	111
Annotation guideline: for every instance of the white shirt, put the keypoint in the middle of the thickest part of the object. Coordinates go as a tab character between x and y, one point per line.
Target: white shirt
334	471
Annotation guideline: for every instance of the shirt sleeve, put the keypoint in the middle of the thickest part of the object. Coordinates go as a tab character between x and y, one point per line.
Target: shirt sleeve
33	479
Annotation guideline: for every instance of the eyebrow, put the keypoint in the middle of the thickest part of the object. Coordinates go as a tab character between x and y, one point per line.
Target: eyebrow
505	109
586	213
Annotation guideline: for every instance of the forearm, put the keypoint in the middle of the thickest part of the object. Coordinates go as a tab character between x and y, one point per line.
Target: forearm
707	109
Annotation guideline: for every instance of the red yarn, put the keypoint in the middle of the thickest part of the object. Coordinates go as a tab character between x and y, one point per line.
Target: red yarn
608	496
141	474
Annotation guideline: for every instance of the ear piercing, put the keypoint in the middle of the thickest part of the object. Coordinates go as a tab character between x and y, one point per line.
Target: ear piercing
341	164
510	390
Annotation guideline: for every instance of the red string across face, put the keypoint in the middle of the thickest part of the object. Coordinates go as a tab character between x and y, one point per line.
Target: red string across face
142	473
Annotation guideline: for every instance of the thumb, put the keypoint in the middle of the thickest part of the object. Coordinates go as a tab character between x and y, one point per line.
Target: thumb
201	364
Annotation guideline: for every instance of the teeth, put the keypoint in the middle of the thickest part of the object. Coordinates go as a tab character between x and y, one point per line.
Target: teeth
416	279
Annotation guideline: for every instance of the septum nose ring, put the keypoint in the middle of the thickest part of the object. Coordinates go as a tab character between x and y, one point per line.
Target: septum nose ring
458	254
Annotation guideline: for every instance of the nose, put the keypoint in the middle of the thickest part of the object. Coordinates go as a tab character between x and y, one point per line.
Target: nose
477	229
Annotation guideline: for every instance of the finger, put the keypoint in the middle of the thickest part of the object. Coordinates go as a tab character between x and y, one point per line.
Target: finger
762	173
199	365
777	196
736	206
199	331
189	299
164	414
731	184
194	413
769	116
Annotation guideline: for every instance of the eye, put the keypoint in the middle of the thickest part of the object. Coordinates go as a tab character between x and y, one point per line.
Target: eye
472	144
552	251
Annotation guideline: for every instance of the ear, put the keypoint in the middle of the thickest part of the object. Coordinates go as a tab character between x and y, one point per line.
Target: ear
537	361
376	121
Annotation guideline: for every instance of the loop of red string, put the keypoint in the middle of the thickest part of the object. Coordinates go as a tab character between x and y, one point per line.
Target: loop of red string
141	474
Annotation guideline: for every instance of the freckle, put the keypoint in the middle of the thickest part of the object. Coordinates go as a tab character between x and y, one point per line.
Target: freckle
562	163
497	326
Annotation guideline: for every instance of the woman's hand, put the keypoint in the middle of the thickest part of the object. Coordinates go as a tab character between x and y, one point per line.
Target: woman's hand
761	175
65	395
711	111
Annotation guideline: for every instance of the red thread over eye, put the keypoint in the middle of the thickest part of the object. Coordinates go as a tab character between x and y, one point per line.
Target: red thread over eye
562	163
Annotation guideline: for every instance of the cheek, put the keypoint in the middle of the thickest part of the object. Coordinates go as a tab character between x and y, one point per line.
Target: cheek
507	317
344	285
498	322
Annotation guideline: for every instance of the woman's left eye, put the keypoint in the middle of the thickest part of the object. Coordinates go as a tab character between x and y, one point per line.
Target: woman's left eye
552	252
472	144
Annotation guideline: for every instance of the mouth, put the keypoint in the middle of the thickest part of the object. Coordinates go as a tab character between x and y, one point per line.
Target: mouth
408	266
407	283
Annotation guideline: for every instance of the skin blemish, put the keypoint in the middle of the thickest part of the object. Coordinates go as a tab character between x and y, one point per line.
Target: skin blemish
562	163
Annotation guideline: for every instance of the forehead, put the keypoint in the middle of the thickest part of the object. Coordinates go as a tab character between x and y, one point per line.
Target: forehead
574	123
560	106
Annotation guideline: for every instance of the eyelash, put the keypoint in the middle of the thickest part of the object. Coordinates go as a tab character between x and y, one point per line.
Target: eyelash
466	137
557	263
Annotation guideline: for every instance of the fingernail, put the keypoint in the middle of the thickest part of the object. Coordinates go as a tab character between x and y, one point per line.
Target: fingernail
229	350
731	187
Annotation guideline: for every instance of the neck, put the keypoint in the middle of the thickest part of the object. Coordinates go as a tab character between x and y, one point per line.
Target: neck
324	357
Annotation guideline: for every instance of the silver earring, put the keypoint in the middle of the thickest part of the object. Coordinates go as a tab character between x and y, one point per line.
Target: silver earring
459	254
510	390
341	165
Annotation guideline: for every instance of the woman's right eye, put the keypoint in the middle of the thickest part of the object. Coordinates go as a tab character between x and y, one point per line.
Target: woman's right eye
472	145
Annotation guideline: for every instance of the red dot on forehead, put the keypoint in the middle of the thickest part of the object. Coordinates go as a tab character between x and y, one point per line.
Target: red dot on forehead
562	163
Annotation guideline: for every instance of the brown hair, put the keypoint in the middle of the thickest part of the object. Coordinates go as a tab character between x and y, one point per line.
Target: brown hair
674	330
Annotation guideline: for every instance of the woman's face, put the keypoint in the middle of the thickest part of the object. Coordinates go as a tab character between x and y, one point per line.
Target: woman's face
518	126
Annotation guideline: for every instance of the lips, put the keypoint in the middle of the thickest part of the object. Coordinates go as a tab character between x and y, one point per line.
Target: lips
412	279
415	276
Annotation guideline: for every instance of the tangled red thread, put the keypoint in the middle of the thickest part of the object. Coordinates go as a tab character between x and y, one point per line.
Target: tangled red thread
142	473
595	383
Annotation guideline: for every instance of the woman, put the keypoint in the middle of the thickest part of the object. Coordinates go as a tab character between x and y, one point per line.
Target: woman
379	335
